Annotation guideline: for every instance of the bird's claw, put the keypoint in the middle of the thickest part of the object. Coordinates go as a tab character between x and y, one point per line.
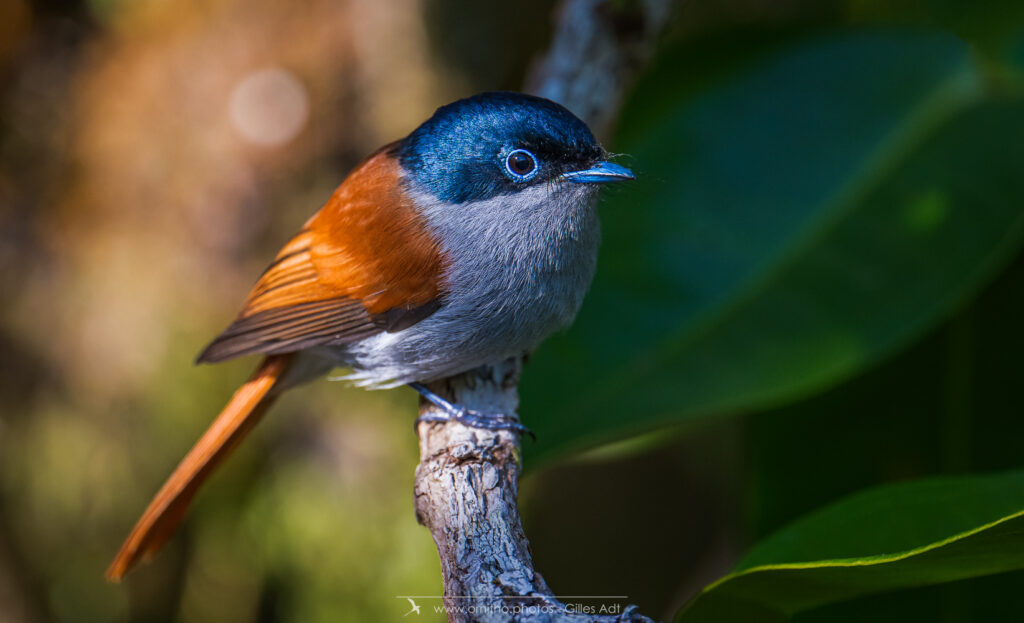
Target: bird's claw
477	419
448	412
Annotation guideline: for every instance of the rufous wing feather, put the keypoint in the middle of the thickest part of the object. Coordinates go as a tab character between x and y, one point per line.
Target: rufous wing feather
365	263
167	509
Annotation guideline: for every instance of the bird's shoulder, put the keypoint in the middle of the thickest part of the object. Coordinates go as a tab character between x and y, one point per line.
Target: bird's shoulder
368	243
366	262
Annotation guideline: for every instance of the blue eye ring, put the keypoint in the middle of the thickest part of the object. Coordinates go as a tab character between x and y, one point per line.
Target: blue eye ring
521	165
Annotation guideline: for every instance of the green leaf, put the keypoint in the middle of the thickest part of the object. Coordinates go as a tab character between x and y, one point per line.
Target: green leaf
893	537
986	24
790	225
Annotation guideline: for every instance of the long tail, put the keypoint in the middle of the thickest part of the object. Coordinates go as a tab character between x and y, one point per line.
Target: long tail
168	508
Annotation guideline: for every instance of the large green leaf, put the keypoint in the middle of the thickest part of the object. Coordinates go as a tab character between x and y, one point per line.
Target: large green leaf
894	537
791	224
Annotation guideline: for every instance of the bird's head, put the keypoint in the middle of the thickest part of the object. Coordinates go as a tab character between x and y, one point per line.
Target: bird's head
501	143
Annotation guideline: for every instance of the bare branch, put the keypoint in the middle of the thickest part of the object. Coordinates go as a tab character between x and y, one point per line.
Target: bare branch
467	481
598	49
466	494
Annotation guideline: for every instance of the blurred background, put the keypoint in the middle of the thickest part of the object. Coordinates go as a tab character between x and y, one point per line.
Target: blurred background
154	156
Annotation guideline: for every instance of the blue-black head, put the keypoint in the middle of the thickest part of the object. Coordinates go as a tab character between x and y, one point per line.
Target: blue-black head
498	143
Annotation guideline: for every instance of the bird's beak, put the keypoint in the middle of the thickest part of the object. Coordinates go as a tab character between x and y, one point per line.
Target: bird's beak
600	173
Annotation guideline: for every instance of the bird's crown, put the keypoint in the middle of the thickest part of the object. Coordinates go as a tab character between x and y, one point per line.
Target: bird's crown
494	143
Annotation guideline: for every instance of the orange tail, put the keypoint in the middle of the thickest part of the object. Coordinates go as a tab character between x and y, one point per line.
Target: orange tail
168	508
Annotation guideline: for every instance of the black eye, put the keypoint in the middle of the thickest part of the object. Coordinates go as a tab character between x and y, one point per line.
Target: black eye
521	165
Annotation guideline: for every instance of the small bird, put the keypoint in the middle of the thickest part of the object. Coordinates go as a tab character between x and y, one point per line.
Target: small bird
463	244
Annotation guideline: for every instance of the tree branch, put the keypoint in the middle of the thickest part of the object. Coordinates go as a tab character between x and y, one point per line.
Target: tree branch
467	481
466	493
598	49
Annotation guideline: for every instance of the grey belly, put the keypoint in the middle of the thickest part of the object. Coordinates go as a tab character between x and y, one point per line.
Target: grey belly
491	320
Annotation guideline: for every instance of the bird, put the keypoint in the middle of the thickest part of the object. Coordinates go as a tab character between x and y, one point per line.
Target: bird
463	244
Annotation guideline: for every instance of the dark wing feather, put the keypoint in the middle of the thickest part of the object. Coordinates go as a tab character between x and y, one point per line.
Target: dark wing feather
292	328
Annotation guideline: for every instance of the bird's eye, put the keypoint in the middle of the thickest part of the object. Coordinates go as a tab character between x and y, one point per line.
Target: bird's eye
521	165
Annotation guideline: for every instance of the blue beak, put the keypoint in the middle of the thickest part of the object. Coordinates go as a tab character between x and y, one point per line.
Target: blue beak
600	173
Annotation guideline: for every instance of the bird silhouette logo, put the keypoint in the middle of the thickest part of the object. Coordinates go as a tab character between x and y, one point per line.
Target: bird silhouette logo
415	608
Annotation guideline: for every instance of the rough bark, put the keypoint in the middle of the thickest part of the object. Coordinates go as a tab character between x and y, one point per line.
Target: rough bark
467	481
466	494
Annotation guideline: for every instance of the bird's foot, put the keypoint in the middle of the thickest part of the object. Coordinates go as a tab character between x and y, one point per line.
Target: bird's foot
477	419
469	417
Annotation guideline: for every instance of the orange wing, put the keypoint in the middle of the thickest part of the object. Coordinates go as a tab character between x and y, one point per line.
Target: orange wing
365	263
